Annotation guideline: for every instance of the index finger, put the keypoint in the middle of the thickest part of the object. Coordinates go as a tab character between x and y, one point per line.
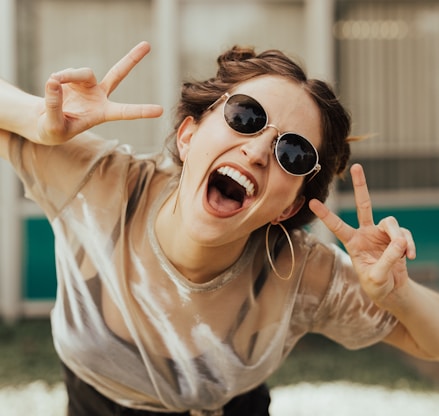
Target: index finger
341	230
123	67
55	123
362	197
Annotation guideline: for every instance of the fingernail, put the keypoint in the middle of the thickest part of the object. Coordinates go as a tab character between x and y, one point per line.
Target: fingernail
56	76
53	85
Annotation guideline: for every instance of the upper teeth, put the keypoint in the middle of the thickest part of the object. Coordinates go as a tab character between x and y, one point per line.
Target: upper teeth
238	177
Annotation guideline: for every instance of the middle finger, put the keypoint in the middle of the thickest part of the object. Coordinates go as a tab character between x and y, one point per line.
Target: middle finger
362	197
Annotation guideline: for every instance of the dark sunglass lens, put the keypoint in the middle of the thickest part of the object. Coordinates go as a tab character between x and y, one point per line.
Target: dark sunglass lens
296	154
244	114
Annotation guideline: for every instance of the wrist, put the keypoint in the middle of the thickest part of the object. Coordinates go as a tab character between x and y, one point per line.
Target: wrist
400	300
19	111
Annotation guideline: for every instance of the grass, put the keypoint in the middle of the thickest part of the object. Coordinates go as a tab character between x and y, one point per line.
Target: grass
316	359
27	354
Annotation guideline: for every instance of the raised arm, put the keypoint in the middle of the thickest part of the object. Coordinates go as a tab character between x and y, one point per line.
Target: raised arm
379	254
74	102
18	113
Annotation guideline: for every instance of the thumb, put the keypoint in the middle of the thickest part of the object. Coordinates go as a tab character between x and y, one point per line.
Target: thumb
54	112
394	252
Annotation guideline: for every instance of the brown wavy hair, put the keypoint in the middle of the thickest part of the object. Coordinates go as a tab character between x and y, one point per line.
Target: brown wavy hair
240	64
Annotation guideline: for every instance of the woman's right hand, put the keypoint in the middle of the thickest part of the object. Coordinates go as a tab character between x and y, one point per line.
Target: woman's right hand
75	101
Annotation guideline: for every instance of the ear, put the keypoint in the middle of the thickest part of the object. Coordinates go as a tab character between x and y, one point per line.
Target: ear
184	136
291	210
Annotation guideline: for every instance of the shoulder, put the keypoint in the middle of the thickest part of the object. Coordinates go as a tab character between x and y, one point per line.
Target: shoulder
315	254
87	164
322	265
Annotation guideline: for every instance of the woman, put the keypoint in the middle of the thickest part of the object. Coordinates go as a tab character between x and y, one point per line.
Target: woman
181	290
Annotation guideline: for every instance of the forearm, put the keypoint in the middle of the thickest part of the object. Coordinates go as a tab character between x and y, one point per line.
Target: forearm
417	308
19	111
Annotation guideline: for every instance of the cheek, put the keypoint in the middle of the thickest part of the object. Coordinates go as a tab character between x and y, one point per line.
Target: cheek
288	186
280	198
210	139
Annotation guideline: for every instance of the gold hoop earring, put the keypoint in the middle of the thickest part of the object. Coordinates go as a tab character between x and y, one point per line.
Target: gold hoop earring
177	196
267	247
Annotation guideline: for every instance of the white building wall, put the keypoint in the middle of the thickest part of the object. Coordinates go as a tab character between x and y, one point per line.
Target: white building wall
10	222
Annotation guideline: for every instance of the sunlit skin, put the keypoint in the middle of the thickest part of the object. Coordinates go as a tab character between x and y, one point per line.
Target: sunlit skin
197	239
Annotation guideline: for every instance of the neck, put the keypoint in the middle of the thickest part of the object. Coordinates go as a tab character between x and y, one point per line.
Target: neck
196	261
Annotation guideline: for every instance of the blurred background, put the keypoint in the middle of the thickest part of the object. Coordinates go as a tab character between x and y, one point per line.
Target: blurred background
382	56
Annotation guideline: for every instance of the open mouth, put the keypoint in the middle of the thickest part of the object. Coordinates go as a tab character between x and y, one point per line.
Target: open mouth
228	190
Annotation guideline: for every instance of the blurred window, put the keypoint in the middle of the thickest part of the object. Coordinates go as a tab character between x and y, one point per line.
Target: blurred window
388	66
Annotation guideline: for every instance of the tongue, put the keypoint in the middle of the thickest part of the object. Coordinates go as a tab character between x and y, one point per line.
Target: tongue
220	202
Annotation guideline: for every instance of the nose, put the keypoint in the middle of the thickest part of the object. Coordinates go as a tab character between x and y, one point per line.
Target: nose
258	149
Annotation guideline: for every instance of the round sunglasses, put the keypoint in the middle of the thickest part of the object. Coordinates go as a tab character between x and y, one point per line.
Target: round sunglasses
296	155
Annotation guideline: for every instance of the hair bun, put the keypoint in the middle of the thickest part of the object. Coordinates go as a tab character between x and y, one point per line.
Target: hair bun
236	53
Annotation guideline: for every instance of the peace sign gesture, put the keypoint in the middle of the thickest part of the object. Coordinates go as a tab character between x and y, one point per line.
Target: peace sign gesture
378	252
75	101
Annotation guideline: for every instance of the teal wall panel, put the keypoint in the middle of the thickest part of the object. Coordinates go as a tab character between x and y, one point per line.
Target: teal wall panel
39	275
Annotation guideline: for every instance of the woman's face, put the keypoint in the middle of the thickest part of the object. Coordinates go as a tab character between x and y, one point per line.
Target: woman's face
259	190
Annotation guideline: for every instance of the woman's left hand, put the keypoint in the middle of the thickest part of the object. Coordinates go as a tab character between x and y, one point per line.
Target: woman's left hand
378	252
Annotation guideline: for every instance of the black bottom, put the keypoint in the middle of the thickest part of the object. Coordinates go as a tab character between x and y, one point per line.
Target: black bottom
84	400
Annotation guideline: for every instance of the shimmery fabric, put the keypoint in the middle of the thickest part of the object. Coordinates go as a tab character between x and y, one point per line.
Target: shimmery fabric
184	345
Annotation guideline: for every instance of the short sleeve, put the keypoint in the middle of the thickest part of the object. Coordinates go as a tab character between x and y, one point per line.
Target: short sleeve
330	300
346	314
52	175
